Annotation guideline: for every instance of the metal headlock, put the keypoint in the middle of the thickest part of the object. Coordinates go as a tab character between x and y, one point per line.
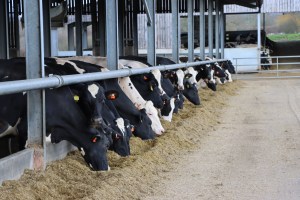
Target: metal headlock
54	81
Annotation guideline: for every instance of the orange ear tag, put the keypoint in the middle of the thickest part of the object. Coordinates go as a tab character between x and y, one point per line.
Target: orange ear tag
94	140
112	96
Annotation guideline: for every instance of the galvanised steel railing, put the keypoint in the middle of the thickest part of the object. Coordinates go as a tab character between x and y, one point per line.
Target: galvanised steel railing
273	72
55	81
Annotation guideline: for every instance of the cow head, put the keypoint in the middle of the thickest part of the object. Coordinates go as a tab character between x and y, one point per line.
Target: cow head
153	115
191	93
147	86
121	141
143	128
94	150
178	101
167	111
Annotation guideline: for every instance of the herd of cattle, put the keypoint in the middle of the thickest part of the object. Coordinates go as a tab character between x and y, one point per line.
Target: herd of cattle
103	115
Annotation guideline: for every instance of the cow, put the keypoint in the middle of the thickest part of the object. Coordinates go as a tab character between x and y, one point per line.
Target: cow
126	109
219	74
190	90
153	80
177	78
205	75
66	120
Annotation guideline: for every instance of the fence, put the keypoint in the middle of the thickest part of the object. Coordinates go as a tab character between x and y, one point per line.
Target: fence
277	68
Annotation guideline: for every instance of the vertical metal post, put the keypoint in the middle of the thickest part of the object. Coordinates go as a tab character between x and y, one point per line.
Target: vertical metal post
191	30
217	28
258	39
16	26
175	31
47	28
4	46
121	16
222	29
54	41
210	28
135	28
277	66
151	42
264	29
84	37
236	66
78	27
94	26
101	26
33	15
112	46
71	46
202	29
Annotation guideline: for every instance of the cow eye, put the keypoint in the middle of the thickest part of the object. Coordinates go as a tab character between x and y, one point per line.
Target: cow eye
111	94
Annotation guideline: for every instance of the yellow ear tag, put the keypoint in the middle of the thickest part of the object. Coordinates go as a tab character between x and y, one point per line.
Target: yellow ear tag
76	98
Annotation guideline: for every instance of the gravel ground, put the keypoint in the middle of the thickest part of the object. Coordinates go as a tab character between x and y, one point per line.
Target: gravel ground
254	153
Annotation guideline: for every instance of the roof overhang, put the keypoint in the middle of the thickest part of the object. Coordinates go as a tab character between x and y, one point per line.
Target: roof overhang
245	3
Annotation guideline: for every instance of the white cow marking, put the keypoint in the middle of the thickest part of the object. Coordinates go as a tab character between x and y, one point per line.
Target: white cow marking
121	126
48	138
62	62
169	117
93	89
180	77
82	152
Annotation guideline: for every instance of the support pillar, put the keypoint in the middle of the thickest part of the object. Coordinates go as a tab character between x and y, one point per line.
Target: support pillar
121	17
54	42
210	28
135	28
112	44
217	28
151	43
4	46
191	30
175	31
101	27
34	34
47	28
202	29
258	39
84	37
222	30
94	26
71	38
78	27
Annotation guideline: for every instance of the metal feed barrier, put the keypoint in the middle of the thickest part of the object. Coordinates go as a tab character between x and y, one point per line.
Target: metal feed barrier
12	167
277	69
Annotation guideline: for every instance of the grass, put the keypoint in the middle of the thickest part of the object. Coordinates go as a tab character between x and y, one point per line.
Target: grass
284	37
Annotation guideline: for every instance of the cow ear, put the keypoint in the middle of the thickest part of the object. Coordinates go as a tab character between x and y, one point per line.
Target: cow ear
111	94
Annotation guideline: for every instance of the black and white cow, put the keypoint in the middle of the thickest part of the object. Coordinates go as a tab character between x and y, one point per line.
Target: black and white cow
219	74
153	82
65	118
125	107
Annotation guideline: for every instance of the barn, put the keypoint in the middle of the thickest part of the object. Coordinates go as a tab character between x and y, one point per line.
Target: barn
114	34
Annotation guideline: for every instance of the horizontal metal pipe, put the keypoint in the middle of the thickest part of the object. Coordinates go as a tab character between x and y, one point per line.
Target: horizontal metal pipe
54	81
268	57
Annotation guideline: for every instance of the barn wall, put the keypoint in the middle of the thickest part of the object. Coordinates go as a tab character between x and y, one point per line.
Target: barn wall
269	6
